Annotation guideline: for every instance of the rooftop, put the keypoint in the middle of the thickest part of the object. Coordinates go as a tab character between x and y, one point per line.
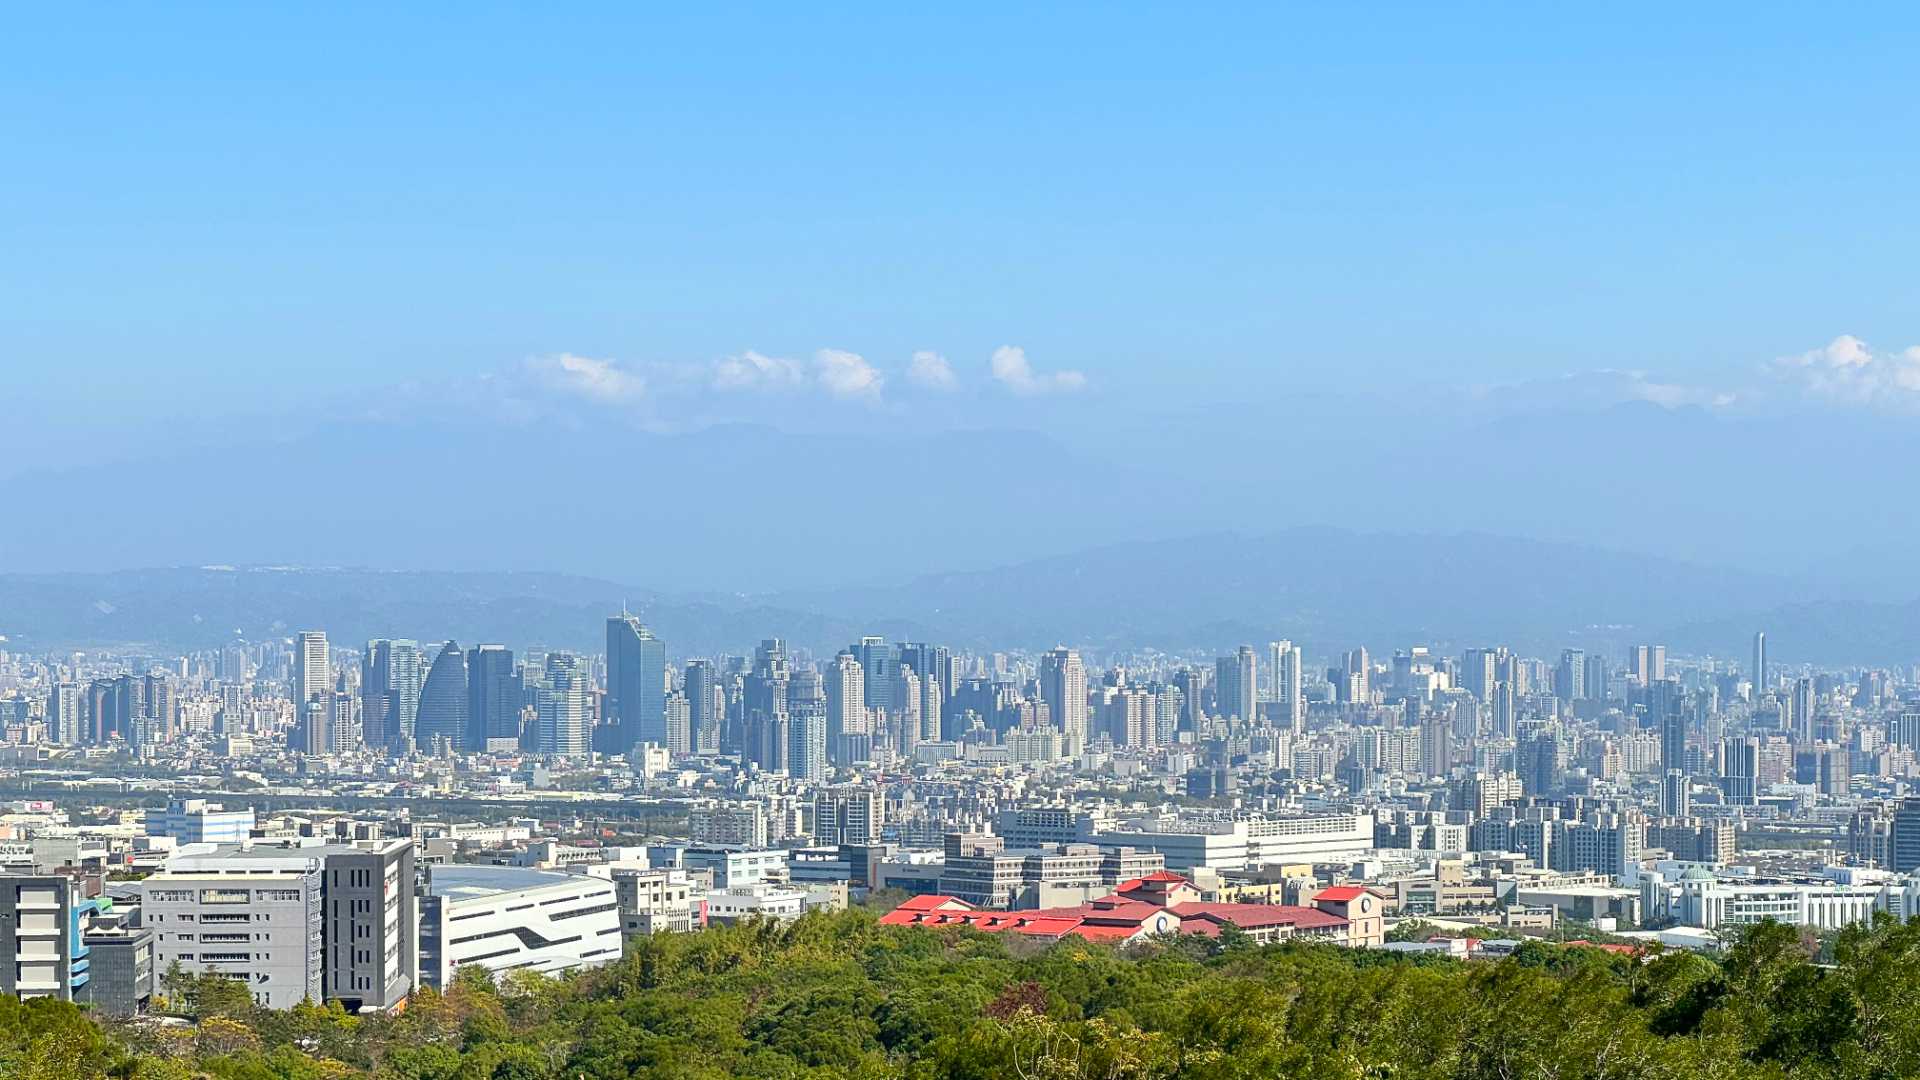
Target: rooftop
466	882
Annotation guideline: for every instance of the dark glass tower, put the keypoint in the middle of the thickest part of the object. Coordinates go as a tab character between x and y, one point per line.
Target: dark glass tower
443	701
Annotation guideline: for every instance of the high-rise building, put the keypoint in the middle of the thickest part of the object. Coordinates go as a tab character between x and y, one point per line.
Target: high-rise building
1904	845
1570	679
679	725
705	707
1667	714
1647	664
846	688
560	706
764	706
1478	674
847	815
1289	688
1234	680
1675	800
1359	677
494	699
1806	708
1740	770
1063	687
63	714
930	662
636	682
1759	674
312	669
442	719
806	727
880	662
391	677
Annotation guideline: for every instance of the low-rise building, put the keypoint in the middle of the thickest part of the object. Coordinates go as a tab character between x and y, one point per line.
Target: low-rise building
514	919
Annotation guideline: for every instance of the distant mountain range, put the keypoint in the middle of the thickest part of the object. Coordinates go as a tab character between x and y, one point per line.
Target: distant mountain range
1329	589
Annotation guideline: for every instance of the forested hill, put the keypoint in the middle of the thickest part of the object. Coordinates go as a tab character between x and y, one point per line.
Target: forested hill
839	996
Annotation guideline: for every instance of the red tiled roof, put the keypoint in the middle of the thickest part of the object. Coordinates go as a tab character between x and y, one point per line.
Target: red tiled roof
1258	916
1159	876
1341	894
930	903
1112	918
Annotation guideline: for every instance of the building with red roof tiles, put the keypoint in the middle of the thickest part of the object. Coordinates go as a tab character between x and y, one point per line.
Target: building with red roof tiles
1161	903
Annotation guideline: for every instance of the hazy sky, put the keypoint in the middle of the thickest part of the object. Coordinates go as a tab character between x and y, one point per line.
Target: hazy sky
214	213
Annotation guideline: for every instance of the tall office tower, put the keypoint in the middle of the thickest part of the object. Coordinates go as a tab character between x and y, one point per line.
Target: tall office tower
1570	679
1168	706
1540	761
679	725
560	706
442	719
1759	674
314	734
1904	842
1359	677
312	673
1806	706
1904	729
636	682
1436	747
1740	770
1234	680
764	705
493	700
1596	678
807	726
846	687
1675	799
1667	714
932	711
881	663
391	678
703	718
908	715
1647	663
932	663
1192	683
1063	687
63	714
1477	674
1289	687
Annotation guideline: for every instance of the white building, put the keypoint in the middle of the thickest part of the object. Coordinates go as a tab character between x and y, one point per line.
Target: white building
1699	898
259	924
506	918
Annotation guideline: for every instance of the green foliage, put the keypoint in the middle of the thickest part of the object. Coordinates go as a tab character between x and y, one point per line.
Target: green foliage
839	996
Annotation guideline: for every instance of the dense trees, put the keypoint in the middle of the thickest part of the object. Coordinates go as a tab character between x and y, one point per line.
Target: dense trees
839	996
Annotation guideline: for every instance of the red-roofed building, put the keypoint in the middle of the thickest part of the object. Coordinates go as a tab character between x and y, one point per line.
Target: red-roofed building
1161	903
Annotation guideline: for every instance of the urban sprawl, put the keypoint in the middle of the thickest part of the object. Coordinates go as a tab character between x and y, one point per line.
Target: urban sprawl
345	825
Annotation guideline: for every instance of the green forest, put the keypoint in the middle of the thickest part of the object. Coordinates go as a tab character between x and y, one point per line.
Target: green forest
840	996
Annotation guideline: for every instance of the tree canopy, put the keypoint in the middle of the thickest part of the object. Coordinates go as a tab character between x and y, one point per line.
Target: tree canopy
839	996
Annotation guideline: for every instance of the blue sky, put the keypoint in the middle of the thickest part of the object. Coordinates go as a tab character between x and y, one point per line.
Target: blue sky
211	214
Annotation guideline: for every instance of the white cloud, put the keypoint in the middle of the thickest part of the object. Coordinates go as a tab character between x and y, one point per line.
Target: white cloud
931	370
1847	370
753	371
847	375
1014	371
600	380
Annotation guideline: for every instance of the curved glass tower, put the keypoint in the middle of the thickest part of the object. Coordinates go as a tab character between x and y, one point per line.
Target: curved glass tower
443	701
